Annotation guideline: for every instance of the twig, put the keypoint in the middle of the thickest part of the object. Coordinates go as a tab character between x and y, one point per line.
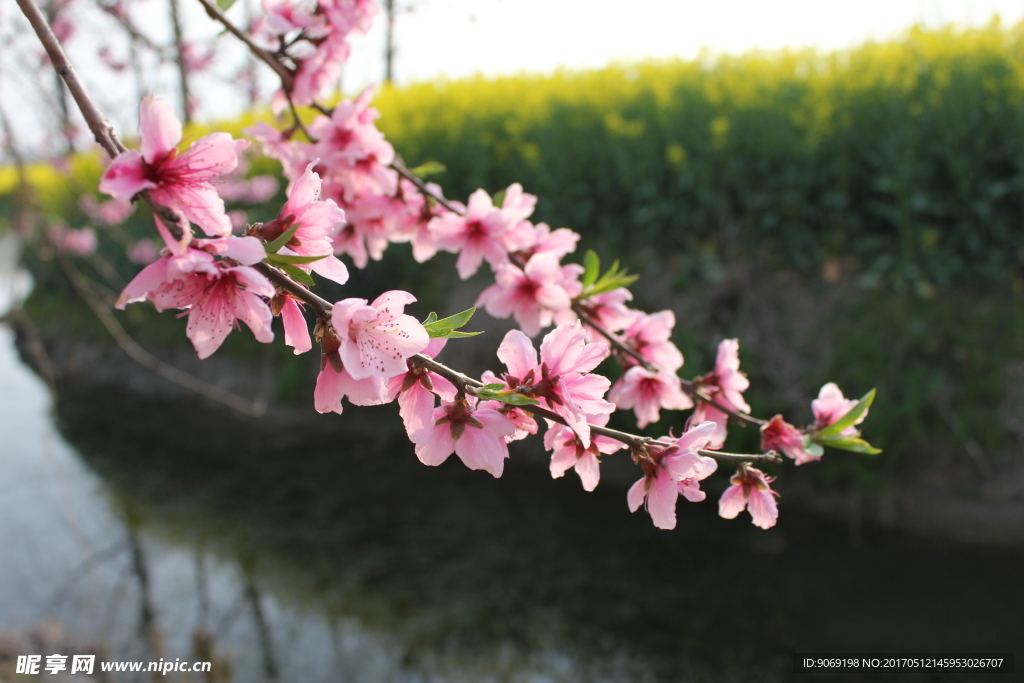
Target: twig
104	134
146	359
469	385
286	75
422	186
98	124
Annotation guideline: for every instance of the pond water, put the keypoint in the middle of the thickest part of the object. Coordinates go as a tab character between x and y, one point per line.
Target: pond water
154	528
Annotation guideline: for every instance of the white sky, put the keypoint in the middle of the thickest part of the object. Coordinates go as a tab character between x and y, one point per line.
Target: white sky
458	37
453	38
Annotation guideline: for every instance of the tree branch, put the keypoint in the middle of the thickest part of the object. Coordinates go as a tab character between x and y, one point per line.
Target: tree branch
286	75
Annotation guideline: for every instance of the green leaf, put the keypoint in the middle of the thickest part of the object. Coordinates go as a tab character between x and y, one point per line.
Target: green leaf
286	236
448	333
856	445
494	387
445	327
429	168
296	273
278	259
510	397
607	284
849	418
612	279
592	268
225	5
499	198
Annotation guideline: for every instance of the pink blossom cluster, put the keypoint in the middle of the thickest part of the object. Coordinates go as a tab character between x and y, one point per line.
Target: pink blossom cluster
346	197
314	36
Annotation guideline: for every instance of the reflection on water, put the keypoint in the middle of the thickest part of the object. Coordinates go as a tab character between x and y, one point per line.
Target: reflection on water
166	531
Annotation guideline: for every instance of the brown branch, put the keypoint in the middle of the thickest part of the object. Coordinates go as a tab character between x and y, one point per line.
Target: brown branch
100	127
319	304
634	441
104	134
286	75
98	124
133	32
422	186
179	48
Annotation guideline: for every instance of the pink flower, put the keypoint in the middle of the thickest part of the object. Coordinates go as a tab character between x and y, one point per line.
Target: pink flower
476	436
365	235
527	240
292	155
415	391
725	384
568	451
832	405
750	490
80	242
609	310
779	435
354	151
647	392
111	212
317	221
561	382
532	294
143	252
376	339
475	236
179	181
665	469
217	294
649	336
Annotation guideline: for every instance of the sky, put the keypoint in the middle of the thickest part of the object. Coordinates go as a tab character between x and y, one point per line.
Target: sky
454	38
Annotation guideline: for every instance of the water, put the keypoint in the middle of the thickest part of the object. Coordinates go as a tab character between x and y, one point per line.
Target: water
152	528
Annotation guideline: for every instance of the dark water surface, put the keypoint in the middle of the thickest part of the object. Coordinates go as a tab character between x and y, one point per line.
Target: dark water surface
156	526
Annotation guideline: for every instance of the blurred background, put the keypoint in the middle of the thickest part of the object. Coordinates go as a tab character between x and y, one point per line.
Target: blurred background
841	187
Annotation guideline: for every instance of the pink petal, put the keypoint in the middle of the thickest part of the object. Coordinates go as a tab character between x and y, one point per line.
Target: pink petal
482	449
159	127
696	437
199	203
245	250
209	323
589	470
732	502
436	449
328	392
636	494
149	279
763	508
435	347
125	177
255	313
371	391
296	332
210	156
252	280
393	303
416	406
517	353
561	460
469	260
331	268
661	501
443	387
